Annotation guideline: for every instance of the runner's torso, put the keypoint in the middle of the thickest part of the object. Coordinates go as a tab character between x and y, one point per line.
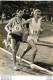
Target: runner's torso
34	26
17	26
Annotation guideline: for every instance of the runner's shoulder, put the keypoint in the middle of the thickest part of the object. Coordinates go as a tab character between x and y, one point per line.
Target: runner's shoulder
31	19
12	19
23	19
40	18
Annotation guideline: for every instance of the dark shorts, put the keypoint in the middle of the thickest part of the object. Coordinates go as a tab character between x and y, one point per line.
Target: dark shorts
18	38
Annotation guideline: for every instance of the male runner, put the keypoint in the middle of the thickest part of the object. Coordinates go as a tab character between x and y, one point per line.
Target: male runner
34	30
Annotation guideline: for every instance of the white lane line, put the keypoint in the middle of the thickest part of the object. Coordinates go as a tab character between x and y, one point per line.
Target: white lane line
33	65
5	51
16	56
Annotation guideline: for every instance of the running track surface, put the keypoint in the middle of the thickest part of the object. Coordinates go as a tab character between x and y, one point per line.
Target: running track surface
44	55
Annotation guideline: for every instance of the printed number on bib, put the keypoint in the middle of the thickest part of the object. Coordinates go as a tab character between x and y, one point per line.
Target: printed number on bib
16	29
35	32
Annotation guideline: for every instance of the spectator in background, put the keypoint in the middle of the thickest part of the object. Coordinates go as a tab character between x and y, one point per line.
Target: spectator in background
31	15
26	16
51	18
3	16
17	11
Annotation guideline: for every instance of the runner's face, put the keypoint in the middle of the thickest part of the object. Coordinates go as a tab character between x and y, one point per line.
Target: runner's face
20	13
37	15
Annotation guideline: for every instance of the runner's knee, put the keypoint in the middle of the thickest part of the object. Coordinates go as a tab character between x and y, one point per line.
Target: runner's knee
14	50
34	49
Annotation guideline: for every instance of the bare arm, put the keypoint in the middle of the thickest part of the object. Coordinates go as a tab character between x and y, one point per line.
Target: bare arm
27	21
8	25
41	24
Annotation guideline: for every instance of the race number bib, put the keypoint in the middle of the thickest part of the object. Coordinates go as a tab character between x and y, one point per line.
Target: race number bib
17	29
35	32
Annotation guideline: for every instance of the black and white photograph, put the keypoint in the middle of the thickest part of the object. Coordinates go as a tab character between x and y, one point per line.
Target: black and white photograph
26	38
